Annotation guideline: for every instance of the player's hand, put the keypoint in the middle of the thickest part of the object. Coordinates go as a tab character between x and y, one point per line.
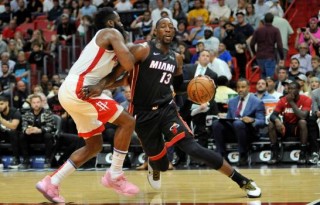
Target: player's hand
290	97
90	91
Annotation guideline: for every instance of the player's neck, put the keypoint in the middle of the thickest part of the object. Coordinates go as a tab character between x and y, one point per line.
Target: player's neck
163	47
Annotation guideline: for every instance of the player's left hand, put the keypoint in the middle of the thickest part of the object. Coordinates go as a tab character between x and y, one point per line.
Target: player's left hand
89	91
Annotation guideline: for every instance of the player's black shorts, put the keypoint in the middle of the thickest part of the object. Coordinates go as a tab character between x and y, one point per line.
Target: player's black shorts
159	129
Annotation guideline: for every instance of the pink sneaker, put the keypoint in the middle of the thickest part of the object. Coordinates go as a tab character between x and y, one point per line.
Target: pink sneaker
50	191
120	184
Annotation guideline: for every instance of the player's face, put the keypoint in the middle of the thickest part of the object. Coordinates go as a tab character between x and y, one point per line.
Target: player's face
3	106
292	89
242	89
118	25
165	31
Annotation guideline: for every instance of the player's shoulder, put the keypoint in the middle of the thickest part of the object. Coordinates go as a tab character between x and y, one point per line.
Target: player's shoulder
109	32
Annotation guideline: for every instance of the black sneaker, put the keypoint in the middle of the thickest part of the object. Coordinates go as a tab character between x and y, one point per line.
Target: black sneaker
302	158
275	159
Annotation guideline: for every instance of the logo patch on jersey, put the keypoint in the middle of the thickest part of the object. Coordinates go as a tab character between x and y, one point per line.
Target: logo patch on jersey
102	106
171	57
156	54
174	128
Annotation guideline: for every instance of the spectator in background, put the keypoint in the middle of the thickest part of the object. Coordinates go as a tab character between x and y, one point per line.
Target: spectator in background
85	26
144	24
66	29
55	12
9	30
248	113
197	12
87	9
262	93
37	36
19	40
34	6
219	31
10	119
22	15
6	16
242	4
266	38
184	52
261	8
242	26
295	109
210	42
315	63
197	32
13	50
123	5
274	6
251	17
313	128
294	69
38	126
304	58
183	4
7	81
271	82
224	54
282	76
178	13
314	83
223	91
309	35
219	10
47	5
5	58
37	56
75	10
156	13
20	95
285	31
199	49
236	43
22	68
302	79
182	34
220	67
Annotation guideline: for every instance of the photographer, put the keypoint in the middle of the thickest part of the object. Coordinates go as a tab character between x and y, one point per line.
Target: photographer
309	35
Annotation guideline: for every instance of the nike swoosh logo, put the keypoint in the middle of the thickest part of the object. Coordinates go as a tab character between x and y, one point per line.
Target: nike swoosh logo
156	54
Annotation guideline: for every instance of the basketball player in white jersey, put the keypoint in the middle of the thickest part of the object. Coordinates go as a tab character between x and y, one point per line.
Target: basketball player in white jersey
99	57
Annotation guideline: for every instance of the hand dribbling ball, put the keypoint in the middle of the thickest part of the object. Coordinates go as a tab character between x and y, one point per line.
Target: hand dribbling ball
201	89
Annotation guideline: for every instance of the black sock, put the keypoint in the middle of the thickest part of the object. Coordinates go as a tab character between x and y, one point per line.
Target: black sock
238	178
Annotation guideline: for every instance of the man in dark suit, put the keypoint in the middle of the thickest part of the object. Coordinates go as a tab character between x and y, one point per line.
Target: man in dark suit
197	113
246	113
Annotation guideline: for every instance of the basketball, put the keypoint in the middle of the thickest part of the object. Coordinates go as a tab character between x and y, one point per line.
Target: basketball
201	89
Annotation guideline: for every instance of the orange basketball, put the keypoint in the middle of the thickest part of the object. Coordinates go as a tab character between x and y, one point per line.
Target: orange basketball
201	89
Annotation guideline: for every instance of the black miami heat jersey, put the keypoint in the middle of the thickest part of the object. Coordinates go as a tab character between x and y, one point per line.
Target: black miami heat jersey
152	79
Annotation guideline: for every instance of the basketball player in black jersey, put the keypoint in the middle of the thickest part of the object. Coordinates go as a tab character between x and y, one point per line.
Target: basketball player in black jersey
158	124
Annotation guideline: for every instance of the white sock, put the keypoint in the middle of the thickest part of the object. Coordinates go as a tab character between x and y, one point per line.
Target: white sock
118	157
65	170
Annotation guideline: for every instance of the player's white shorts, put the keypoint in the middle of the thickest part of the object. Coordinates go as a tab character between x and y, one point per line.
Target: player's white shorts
90	115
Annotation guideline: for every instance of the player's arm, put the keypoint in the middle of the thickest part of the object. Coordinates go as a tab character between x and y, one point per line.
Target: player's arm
177	83
112	39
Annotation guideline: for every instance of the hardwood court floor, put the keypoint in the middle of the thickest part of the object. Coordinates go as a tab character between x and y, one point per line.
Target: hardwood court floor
299	185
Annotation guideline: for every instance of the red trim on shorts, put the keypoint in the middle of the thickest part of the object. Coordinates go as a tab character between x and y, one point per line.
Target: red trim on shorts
92	132
134	79
92	65
167	145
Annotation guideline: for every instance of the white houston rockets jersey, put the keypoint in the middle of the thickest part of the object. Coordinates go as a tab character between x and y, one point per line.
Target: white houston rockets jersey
93	64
